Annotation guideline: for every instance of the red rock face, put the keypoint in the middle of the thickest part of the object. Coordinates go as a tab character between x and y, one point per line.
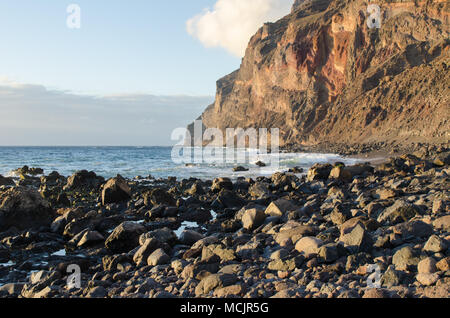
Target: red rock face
321	75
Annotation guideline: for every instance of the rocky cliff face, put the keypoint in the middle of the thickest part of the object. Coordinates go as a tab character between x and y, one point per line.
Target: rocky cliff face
322	75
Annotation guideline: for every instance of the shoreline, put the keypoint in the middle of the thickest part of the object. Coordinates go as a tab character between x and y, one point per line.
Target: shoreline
285	235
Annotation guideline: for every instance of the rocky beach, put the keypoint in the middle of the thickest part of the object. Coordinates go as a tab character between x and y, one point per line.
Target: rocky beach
335	231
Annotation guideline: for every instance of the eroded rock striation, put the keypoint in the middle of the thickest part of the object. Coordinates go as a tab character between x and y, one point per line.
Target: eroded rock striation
323	76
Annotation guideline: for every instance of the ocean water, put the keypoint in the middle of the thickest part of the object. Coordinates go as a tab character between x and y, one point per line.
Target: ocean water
144	161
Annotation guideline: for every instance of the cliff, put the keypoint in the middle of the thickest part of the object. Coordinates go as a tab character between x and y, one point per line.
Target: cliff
323	76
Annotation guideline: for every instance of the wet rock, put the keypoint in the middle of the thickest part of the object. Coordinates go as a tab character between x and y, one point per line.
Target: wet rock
125	237
116	190
240	169
260	164
24	208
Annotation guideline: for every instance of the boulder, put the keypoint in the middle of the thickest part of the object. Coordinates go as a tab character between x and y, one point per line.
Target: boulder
442	223
221	184
280	207
319	172
435	245
24	209
84	180
159	196
240	169
341	173
357	240
253	218
292	232
189	237
309	246
427	279
150	245
259	190
116	190
427	266
158	257
213	282
90	238
405	259
442	159
400	211
125	237
229	199
413	229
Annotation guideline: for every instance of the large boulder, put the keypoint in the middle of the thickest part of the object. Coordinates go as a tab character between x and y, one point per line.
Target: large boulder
125	237
116	190
83	180
24	209
319	172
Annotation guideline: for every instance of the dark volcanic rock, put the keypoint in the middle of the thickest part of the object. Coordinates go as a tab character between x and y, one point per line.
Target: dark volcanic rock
116	190
24	208
125	237
84	180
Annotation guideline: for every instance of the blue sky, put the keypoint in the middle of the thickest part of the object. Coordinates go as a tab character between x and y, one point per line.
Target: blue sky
135	70
122	47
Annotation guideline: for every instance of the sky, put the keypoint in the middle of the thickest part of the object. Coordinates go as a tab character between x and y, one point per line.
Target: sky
141	61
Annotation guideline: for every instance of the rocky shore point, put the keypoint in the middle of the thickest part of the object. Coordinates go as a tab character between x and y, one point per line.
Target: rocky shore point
335	231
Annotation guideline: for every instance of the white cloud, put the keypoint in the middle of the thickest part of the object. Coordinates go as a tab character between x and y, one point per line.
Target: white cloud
232	23
34	115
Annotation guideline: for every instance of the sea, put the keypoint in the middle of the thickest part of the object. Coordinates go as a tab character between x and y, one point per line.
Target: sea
157	162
